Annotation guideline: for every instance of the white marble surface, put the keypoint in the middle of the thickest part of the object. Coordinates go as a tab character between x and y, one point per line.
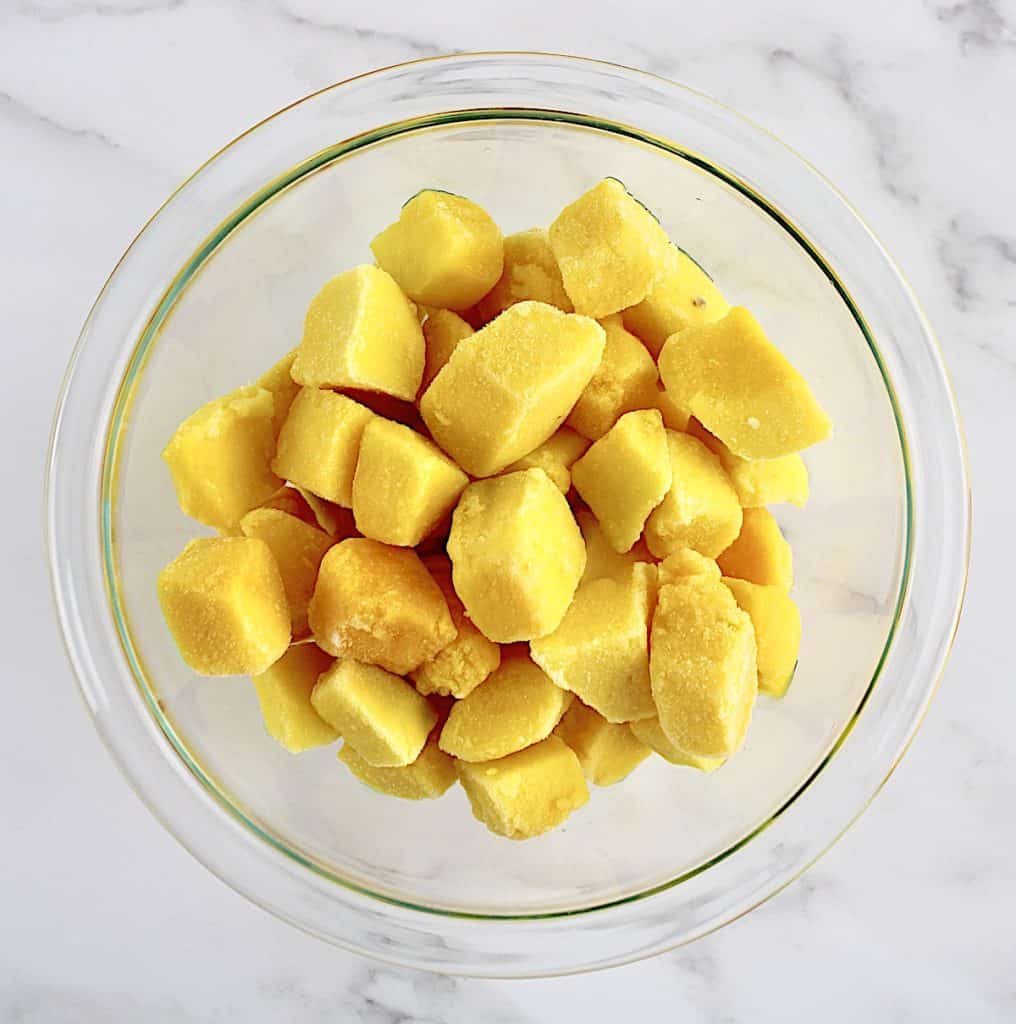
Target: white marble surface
106	104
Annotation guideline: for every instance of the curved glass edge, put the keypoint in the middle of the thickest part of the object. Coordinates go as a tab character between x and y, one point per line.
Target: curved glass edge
193	266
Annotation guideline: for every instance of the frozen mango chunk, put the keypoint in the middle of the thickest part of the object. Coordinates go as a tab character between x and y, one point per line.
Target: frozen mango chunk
378	714
760	554
700	510
608	752
555	457
674	416
284	691
530	272
685	562
703	667
279	381
378	604
291	501
682	295
224	603
649	732
624	381
361	332
508	387
601	559
600	652
442	332
517	555
777	625
513	708
220	458
741	388
335	520
403	484
527	793
320	443
298	549
610	249
444	250
431	775
461	665
625	475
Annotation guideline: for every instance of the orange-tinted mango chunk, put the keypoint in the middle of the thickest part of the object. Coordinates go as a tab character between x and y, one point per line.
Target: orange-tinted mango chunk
284	691
777	625
530	272
427	778
608	752
760	554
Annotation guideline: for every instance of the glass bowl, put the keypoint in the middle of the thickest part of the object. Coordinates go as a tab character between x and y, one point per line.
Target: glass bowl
213	291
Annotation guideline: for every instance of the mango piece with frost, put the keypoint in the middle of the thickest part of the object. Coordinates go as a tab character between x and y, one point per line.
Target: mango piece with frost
513	708
760	554
220	458
674	416
278	379
649	732
741	388
284	691
777	625
427	778
508	387
527	793
320	442
703	667
600	652
682	295
403	484
700	510
517	555
444	250
685	562
601	559
624	381
361	332
378	714
530	272
379	605
555	457
442	332
224	603
608	752
298	549
609	248
625	475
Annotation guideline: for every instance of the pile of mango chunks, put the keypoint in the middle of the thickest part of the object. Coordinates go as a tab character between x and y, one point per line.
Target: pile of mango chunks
500	518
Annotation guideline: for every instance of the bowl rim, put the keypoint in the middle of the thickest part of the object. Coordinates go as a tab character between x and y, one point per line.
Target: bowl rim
342	148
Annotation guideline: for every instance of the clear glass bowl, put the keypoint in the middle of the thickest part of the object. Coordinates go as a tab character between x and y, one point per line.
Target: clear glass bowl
213	291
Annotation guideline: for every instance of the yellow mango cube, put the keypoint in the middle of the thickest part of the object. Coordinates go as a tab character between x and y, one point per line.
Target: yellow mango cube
378	714
703	667
625	475
700	510
508	387
624	381
760	554
431	775
279	381
461	665
517	555
284	691
224	603
444	250
777	625
527	793
291	501
609	248
674	416
601	559
685	562
741	388
555	457
361	332
379	605
403	484
513	708
608	752
442	332
682	295
298	549
649	732
530	272
320	443
335	520
600	652
220	458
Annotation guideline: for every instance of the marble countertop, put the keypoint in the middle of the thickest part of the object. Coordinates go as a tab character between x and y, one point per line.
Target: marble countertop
105	105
